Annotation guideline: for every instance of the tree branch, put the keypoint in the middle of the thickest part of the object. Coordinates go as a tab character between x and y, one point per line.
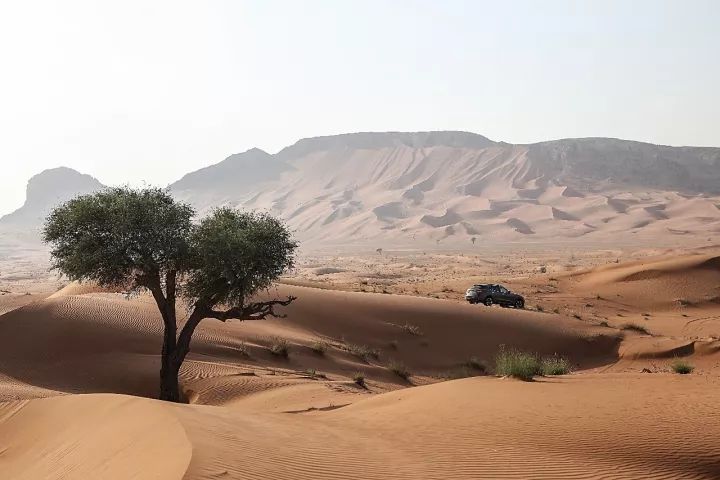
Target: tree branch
251	311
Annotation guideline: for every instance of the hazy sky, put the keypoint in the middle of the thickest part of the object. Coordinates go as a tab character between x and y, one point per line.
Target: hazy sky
145	91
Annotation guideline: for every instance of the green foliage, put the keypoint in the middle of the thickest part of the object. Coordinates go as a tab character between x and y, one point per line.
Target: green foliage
523	365
359	379
555	365
681	366
363	352
399	369
279	347
634	327
144	239
132	237
515	363
236	254
319	347
119	235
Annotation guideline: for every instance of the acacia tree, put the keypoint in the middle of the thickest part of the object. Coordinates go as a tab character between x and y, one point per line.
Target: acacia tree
144	240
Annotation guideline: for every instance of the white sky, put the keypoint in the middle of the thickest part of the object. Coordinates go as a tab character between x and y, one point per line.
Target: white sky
145	91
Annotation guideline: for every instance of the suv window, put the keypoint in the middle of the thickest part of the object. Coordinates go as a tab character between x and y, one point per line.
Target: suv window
502	290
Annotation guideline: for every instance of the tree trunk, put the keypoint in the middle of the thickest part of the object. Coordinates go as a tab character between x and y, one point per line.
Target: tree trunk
169	387
169	367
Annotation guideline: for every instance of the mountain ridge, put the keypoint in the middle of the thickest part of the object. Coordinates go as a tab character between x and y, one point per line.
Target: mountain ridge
47	189
451	185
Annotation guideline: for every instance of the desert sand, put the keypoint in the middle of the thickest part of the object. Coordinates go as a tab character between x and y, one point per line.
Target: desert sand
79	370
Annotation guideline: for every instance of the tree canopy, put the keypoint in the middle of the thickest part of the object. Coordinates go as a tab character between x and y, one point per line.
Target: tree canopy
143	239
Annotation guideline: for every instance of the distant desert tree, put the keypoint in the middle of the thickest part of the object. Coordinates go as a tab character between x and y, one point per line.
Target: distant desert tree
473	240
144	240
379	250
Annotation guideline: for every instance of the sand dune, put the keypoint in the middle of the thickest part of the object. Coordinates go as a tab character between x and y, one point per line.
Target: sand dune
74	367
664	282
98	436
480	428
103	342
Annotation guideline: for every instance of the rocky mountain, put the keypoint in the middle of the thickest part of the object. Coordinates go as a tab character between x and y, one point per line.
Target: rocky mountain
428	188
432	187
46	190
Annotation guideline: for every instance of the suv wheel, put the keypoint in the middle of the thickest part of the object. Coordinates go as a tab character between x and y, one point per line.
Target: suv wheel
519	304
488	302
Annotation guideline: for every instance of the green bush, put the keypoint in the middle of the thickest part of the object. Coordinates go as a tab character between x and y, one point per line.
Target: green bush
634	327
515	363
681	366
319	347
555	365
279	347
399	369
363	352
359	379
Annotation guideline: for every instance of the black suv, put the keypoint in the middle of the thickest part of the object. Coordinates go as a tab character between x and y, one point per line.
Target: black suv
492	293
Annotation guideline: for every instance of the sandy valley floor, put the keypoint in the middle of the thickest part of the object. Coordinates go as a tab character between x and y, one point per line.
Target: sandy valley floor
78	371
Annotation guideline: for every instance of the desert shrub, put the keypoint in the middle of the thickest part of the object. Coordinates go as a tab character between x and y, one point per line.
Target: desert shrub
399	369
577	315
515	363
279	347
681	366
604	324
319	347
411	329
359	379
539	308
634	327
363	352
556	310
242	349
555	365
311	372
